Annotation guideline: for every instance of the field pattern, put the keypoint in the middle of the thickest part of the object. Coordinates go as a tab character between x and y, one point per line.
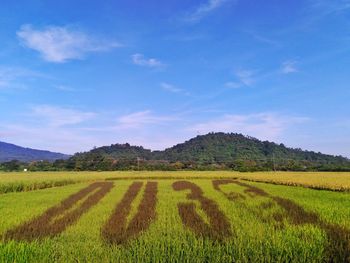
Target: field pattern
218	227
116	229
338	244
172	220
56	219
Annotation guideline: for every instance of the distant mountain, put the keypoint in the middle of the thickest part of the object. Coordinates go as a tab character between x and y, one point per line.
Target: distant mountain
10	152
231	149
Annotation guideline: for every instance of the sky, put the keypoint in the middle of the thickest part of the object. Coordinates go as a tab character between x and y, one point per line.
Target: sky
77	74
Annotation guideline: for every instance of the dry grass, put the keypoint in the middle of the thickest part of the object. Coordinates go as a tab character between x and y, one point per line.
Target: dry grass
334	181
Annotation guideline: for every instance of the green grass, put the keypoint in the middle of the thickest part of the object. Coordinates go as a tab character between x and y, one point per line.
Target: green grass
167	240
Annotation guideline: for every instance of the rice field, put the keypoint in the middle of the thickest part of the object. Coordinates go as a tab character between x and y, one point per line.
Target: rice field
173	217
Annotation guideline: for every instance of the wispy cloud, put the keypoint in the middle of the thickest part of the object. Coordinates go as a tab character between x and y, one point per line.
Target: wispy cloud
204	10
243	78
142	118
64	88
261	125
15	78
58	139
173	89
141	60
56	116
289	66
60	44
51	127
330	6
262	38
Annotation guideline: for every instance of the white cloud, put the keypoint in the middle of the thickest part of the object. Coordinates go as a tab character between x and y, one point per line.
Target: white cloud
173	89
244	78
261	125
139	59
141	118
56	116
289	66
204	10
59	44
170	87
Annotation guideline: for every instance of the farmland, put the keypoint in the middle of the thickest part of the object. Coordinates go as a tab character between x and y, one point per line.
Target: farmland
174	216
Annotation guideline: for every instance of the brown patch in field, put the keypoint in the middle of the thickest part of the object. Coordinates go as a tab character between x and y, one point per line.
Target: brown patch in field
251	190
218	227
116	231
338	243
232	195
56	219
267	205
296	213
278	217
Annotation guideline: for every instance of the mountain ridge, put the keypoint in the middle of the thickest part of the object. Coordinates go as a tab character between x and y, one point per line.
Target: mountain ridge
9	152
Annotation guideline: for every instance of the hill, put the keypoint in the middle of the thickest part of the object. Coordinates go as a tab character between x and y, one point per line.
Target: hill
224	147
9	152
225	150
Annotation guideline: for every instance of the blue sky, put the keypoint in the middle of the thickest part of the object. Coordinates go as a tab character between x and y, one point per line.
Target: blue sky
77	74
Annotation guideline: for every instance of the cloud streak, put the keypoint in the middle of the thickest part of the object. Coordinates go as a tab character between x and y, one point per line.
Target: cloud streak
204	10
142	118
56	116
244	78
289	66
60	44
261	125
173	89
15	77
141	60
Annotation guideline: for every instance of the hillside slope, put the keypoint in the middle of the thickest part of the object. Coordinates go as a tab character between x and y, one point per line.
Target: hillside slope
223	147
10	152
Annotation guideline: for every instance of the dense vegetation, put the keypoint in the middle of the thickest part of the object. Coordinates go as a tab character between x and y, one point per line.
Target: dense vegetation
207	152
9	152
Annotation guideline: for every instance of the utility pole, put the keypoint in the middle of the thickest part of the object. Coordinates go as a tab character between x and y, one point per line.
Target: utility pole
274	162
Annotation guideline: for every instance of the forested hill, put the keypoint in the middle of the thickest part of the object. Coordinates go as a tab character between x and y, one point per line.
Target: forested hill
119	151
9	152
231	151
223	147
